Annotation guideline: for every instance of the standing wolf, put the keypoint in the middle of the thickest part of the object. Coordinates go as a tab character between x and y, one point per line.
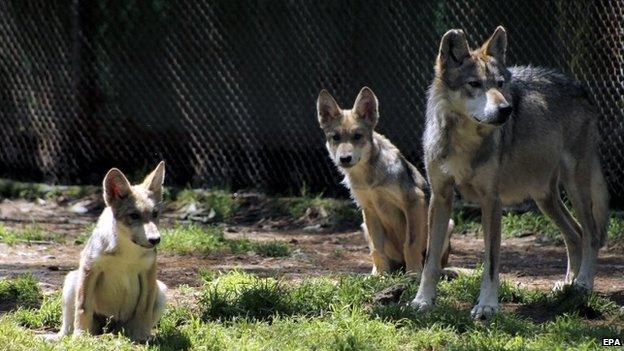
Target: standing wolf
502	135
116	279
389	189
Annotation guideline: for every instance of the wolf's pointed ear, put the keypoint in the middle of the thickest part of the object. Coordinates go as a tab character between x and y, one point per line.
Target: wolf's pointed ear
154	181
116	187
496	46
453	48
366	106
327	108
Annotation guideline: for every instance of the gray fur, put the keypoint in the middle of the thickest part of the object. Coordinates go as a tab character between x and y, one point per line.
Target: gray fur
548	140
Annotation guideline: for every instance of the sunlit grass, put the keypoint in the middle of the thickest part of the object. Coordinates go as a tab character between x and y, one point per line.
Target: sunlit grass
238	310
210	240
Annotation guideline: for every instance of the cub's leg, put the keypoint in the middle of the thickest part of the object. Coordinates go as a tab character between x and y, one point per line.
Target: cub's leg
381	263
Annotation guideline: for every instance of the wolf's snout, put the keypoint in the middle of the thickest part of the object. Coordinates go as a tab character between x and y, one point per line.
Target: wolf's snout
154	241
504	111
345	160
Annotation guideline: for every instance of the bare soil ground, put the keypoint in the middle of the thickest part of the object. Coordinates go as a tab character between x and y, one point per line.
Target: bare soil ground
524	260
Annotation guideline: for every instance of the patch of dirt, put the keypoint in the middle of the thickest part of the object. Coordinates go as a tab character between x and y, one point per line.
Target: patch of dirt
524	260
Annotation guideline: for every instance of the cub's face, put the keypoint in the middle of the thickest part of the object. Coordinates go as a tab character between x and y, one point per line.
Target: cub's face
136	208
348	133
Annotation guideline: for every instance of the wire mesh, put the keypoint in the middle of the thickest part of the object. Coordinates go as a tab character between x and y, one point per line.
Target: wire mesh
224	90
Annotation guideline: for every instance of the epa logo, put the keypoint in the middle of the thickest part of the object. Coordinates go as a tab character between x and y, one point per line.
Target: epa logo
611	342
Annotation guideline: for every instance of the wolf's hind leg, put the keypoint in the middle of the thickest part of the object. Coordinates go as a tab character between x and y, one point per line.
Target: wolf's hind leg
553	207
589	196
69	303
160	302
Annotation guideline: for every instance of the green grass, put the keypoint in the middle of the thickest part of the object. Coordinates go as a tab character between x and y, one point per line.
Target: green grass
515	225
240	311
222	202
22	290
615	230
211	240
31	191
30	233
84	234
333	213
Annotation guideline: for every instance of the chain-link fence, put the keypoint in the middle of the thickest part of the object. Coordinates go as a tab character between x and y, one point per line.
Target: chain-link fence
225	90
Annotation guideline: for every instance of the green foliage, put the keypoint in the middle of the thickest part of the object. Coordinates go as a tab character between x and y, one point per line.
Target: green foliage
211	240
615	230
339	214
466	223
21	290
220	201
30	233
31	191
47	316
529	223
239	310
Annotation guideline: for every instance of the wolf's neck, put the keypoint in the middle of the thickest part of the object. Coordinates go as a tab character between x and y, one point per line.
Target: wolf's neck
467	135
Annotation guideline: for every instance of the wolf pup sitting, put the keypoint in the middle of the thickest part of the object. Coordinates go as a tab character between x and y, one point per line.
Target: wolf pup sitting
116	280
503	135
389	190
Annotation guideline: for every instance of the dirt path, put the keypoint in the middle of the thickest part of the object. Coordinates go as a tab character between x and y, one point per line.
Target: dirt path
523	260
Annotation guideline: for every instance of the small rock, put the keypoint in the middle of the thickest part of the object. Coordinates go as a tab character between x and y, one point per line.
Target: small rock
212	214
313	228
449	274
53	268
390	295
293	241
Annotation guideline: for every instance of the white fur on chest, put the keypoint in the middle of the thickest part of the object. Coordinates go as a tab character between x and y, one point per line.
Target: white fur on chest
119	287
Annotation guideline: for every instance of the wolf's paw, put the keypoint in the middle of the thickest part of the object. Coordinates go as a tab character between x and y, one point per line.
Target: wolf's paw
52	337
78	333
484	311
140	336
560	285
583	284
421	304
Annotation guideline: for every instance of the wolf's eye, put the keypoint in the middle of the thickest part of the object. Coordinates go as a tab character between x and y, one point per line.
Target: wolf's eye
336	137
357	136
134	217
475	84
500	83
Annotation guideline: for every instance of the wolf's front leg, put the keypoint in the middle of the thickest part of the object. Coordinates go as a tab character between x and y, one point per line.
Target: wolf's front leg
440	209
491	213
149	309
415	236
374	235
376	240
83	308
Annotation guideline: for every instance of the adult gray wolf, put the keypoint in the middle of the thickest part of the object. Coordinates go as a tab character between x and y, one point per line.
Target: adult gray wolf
116	280
503	135
390	191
